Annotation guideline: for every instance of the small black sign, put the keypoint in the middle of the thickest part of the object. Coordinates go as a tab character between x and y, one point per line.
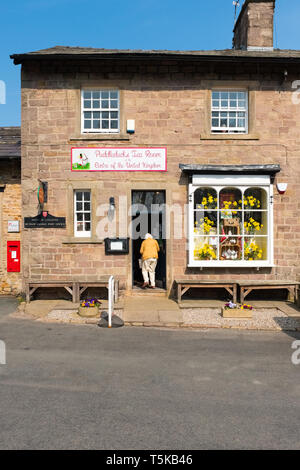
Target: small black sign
44	220
116	246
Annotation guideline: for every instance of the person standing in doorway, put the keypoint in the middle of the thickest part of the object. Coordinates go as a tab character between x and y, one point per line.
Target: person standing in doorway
149	251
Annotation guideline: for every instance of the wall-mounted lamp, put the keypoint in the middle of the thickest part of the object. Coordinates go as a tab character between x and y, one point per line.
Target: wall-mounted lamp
112	204
282	187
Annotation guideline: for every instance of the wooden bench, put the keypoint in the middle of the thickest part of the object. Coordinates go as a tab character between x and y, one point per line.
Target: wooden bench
75	288
103	282
32	286
183	285
248	286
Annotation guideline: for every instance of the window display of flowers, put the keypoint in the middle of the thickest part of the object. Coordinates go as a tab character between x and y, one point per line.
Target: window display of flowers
208	202
252	225
89	303
251	202
252	251
205	253
231	205
205	225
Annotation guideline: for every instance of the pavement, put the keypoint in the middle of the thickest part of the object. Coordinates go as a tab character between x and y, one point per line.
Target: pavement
84	387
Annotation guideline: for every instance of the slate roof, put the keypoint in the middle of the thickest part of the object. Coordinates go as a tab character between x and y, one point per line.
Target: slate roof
233	169
10	142
82	53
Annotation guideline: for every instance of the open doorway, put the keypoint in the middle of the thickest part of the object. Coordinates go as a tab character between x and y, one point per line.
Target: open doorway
149	216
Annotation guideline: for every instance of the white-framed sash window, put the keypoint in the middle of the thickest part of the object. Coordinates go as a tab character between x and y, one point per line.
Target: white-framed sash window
100	111
230	221
229	111
82	213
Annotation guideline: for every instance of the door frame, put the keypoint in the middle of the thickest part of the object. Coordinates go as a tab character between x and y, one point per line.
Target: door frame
151	186
166	241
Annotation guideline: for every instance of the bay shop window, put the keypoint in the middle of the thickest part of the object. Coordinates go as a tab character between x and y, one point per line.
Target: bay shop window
230	221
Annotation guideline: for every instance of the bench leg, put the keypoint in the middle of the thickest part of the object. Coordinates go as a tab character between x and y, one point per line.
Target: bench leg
178	293
234	293
27	293
242	295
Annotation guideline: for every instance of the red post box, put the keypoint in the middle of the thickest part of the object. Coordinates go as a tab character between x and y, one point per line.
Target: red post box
13	257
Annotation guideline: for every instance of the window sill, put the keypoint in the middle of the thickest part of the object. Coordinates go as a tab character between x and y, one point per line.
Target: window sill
100	137
229	264
84	240
229	137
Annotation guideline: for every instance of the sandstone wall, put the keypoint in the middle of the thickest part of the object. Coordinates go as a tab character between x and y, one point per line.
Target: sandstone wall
10	209
170	105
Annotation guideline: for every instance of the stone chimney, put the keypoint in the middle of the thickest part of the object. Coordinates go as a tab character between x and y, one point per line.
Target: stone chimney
253	30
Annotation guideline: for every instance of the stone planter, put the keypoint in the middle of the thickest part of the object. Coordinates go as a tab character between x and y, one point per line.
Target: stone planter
236	313
88	311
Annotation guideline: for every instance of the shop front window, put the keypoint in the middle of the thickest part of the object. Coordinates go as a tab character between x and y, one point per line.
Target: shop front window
230	225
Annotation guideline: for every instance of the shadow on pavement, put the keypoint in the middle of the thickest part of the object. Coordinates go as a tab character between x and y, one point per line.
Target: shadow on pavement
7	305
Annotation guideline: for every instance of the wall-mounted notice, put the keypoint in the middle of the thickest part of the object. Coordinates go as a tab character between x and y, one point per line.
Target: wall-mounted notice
118	159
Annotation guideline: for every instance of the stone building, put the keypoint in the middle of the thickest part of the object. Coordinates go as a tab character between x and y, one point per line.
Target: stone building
10	208
213	134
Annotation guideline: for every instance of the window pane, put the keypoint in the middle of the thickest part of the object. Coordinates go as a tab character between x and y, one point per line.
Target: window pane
113	115
79	206
231	248
203	250
87	94
79	196
255	223
114	94
96	124
255	198
96	95
114	104
104	104
87	124
231	199
96	104
215	95
87	226
79	216
114	124
79	226
105	94
205	223
256	249
87	196
87	104
87	115
105	124
87	206
205	198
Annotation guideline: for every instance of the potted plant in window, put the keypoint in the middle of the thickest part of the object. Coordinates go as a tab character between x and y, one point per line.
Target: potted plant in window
89	308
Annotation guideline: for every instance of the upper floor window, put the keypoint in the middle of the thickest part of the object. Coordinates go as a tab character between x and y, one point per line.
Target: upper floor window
229	112
100	111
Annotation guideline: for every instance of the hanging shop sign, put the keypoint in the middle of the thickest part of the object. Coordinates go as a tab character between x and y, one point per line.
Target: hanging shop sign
118	159
44	220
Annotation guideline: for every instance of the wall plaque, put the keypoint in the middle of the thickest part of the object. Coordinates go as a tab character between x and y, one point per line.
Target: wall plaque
44	220
13	226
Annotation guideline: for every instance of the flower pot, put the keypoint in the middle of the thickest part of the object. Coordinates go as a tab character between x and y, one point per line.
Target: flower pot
236	313
88	311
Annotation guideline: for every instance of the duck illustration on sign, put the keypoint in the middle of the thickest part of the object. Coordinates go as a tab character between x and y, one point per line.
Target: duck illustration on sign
82	162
